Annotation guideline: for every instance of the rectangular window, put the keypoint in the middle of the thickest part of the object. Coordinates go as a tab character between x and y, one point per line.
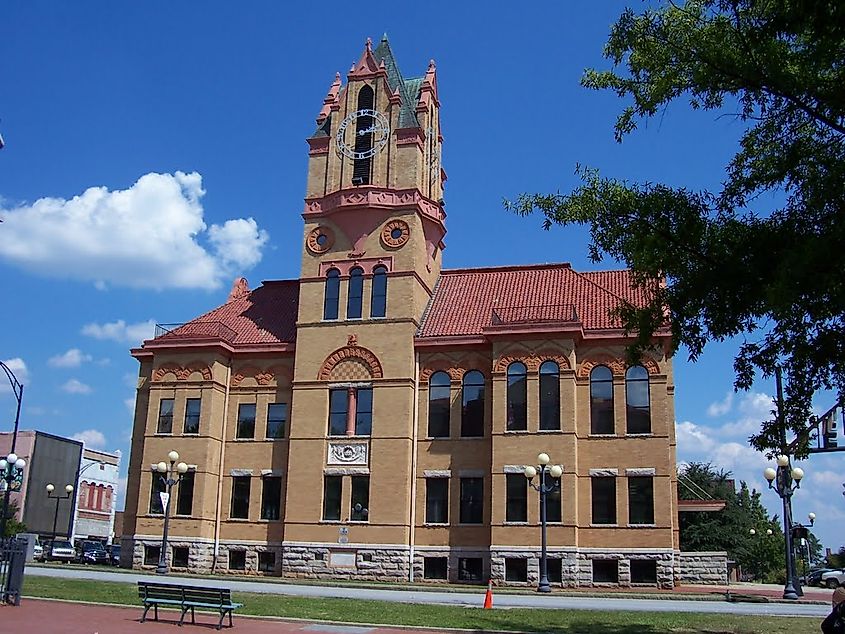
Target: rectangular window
332	488
554	570
156	488
151	555
266	562
604	500
240	497
237	560
271	497
643	571
437	500
364	412
246	420
192	416
605	570
277	418
516	569
181	555
435	568
338	407
185	500
470	569
640	500
165	416
553	505
472	500
360	499
516	504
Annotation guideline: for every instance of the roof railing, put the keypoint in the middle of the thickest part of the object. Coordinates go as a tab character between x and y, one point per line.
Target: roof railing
552	313
194	330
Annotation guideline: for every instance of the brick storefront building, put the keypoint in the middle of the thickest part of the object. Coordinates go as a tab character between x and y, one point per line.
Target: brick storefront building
372	418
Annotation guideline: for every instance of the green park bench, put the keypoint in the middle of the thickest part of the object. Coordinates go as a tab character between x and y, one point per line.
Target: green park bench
186	598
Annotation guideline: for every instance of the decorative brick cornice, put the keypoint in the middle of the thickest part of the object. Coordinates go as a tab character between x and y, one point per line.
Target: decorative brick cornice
182	372
374	198
350	352
410	136
318	145
617	366
263	377
532	361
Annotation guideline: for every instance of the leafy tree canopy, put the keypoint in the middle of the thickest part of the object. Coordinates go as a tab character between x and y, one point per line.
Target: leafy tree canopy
716	263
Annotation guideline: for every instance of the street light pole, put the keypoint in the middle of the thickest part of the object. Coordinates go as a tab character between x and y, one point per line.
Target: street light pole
169	476
68	492
555	471
784	481
17	390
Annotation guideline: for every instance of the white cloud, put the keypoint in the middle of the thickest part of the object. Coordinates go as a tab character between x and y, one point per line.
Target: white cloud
76	387
121	332
150	235
130	404
92	438
19	369
754	408
73	358
692	438
720	408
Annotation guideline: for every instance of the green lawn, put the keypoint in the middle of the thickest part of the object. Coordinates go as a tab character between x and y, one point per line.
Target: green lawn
525	620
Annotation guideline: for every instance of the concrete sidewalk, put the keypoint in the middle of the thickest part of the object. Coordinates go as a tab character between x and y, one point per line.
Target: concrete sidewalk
36	616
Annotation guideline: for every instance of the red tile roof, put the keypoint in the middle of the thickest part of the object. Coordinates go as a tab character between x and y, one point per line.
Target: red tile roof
266	315
466	301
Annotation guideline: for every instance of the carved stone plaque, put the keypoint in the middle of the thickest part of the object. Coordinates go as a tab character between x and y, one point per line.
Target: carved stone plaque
347	453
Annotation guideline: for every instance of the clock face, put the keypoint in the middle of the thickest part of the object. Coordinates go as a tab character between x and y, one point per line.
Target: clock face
362	133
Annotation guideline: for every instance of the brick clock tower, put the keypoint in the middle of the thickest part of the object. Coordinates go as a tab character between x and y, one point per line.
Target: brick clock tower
374	220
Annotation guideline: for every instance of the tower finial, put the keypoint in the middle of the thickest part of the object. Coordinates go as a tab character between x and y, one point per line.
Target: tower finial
384	37
369	44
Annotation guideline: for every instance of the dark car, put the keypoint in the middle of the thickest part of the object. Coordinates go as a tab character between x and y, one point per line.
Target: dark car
92	553
814	577
114	554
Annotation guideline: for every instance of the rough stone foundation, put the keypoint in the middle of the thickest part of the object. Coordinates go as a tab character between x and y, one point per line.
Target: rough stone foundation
710	568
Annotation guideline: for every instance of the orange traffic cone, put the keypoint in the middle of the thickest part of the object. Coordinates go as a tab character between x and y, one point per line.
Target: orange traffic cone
488	598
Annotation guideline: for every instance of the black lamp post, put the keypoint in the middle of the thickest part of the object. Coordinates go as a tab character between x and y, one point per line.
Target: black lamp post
555	471
13	467
784	480
58	498
169	476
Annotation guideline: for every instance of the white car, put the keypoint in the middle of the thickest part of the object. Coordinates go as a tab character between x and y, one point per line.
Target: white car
833	579
38	552
61	550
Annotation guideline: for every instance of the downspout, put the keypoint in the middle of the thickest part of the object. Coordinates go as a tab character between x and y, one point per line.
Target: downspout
414	449
220	474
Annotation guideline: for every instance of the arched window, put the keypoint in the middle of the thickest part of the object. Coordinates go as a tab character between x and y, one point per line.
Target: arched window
378	301
549	395
601	400
439	403
472	414
363	139
637	410
356	293
332	294
517	397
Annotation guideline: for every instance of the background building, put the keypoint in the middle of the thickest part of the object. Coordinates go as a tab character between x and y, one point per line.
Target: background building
97	495
372	419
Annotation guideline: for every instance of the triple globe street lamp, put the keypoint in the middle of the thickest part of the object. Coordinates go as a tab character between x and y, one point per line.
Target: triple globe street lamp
784	480
169	476
544	488
13	469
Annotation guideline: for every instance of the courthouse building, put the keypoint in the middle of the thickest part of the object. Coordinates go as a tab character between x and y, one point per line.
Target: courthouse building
373	418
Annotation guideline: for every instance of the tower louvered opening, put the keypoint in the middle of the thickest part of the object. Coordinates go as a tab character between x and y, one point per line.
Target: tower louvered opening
362	167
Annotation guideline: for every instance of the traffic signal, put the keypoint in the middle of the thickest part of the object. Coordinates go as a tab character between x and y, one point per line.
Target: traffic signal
799	532
829	429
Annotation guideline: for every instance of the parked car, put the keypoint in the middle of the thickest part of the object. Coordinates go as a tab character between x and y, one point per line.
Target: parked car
833	579
814	577
114	554
92	552
38	552
60	550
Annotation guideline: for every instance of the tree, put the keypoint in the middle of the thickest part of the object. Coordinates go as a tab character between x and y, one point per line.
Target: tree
13	526
717	265
730	529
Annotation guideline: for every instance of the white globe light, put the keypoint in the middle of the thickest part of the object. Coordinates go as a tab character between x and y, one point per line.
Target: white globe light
173	456
811	517
162	467
556	471
3	464
50	488
543	458
769	473
182	467
797	474
69	488
768	531
12	458
530	472
752	532
783	461
20	463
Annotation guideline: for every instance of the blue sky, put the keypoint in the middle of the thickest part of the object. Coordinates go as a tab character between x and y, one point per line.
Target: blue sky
155	151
